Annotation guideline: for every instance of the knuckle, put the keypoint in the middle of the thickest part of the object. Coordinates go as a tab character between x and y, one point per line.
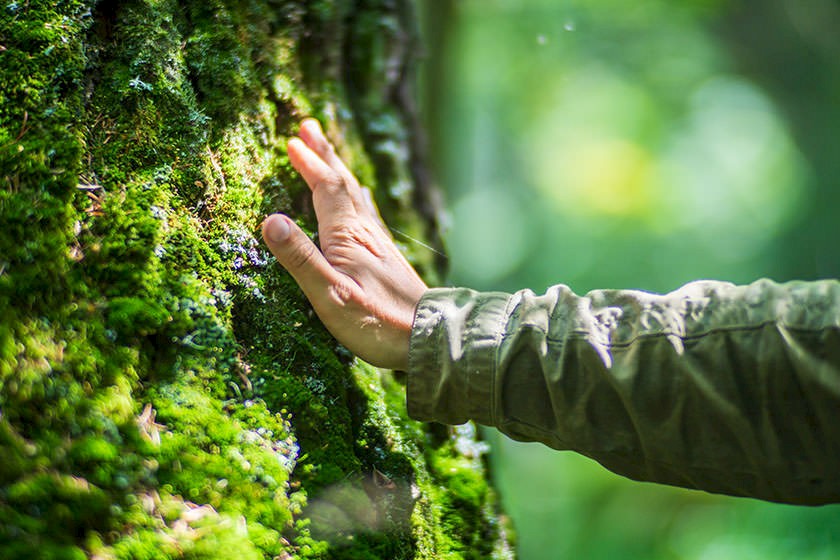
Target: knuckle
345	231
303	256
340	235
355	239
341	293
327	147
330	184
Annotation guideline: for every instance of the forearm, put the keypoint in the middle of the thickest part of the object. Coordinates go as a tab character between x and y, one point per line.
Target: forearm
719	387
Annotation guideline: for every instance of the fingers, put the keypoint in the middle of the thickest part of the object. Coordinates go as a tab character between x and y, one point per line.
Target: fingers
330	195
314	138
312	134
336	192
296	252
308	163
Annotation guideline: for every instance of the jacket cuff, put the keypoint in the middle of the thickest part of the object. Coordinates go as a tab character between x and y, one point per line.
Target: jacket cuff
453	355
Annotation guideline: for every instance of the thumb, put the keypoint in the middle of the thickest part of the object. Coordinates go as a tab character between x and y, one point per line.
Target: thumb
299	255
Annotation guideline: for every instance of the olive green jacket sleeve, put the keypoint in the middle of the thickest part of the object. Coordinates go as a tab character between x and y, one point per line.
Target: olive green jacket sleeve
724	388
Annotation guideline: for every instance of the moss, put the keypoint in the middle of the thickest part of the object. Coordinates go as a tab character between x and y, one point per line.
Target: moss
166	389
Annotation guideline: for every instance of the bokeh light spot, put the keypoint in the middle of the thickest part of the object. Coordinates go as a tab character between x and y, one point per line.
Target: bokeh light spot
489	236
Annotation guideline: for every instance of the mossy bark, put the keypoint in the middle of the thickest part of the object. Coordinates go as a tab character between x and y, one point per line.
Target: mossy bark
165	389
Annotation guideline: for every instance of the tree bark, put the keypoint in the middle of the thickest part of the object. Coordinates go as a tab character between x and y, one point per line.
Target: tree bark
165	389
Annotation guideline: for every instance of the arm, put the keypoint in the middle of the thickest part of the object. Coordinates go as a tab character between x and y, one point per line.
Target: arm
718	387
731	389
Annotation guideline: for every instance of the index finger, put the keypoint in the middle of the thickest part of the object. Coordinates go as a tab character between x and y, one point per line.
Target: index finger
330	192
313	136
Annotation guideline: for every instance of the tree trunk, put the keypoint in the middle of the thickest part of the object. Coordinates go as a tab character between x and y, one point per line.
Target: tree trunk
165	389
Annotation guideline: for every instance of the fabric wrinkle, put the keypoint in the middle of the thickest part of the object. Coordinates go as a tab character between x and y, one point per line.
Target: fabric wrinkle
725	388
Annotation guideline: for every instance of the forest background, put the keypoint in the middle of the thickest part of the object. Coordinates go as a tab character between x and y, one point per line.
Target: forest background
615	144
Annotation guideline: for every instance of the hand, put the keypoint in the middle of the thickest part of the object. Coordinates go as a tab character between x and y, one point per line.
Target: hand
360	285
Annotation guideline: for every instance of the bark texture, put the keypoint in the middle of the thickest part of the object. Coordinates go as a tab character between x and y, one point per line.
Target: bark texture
165	389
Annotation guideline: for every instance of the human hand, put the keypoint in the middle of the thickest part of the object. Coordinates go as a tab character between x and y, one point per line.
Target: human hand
359	284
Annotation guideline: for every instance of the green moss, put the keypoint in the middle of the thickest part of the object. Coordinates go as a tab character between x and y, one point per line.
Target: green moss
166	389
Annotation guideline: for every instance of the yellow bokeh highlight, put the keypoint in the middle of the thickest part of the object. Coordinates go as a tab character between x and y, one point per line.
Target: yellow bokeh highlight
605	176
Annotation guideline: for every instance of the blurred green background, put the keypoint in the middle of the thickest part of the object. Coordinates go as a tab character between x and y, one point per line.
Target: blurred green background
636	144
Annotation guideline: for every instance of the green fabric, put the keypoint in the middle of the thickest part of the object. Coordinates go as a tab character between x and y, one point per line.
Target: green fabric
724	388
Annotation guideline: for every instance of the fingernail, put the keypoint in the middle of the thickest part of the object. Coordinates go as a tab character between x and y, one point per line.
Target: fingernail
276	229
313	124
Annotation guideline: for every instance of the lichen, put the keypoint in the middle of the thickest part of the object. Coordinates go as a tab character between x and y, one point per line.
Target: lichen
165	389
